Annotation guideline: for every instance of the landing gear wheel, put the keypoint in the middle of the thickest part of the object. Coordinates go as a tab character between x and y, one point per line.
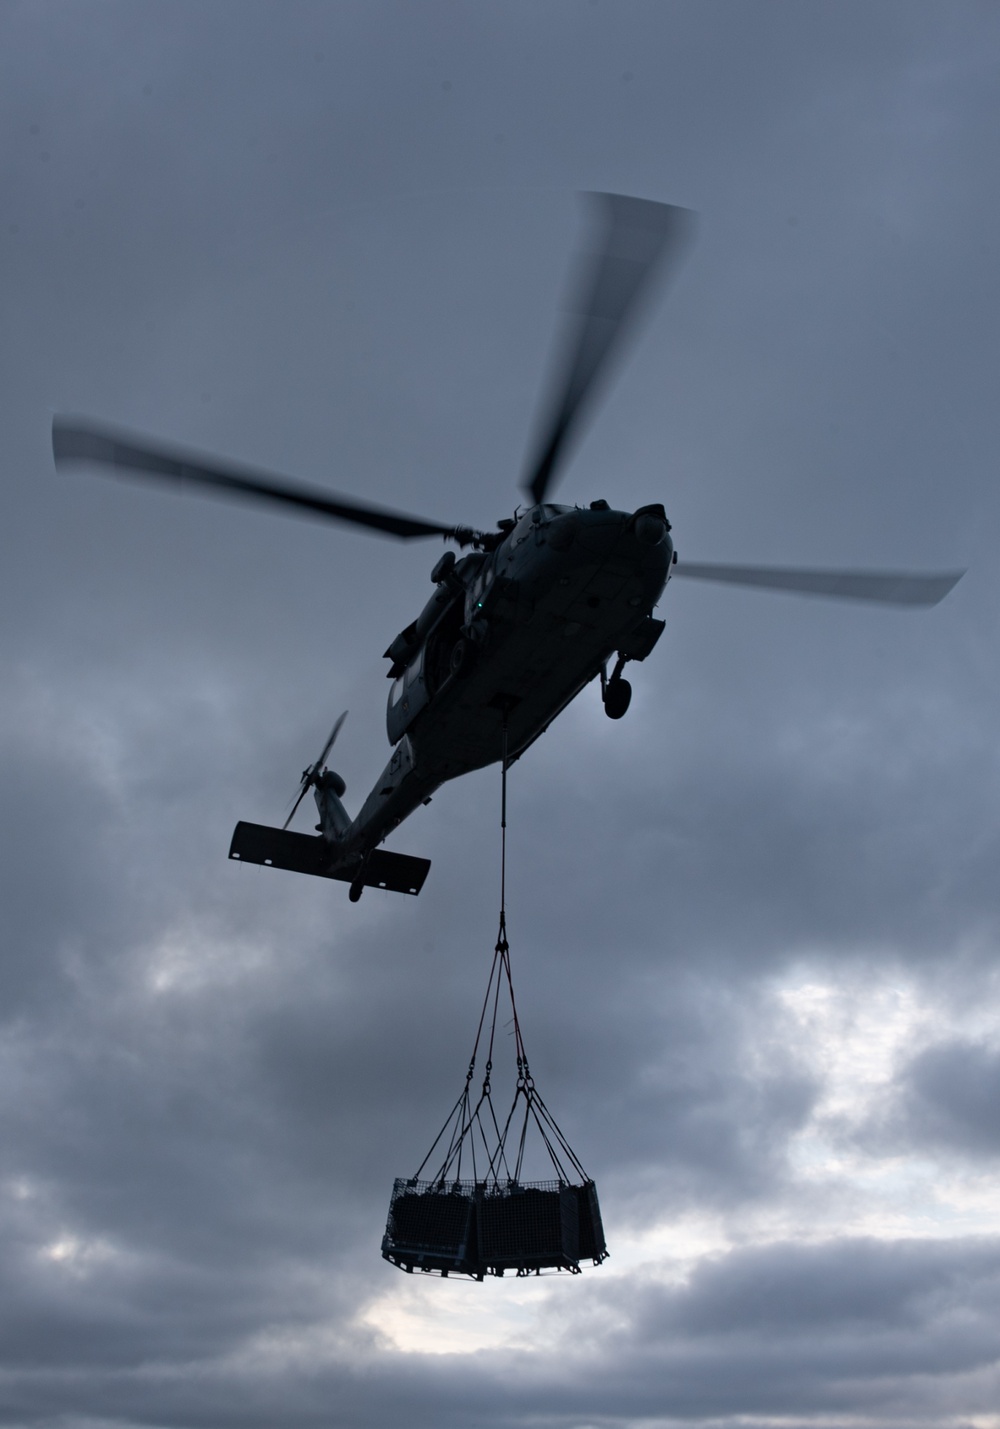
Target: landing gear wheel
617	697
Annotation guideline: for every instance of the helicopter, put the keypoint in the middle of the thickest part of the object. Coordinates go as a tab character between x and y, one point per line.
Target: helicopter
532	612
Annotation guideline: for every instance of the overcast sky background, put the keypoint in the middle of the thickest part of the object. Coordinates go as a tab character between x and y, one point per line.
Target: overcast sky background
754	925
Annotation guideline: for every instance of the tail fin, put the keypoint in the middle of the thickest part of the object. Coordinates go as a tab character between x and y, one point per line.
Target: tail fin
334	820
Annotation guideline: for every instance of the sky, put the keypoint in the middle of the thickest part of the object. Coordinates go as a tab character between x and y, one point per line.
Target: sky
754	925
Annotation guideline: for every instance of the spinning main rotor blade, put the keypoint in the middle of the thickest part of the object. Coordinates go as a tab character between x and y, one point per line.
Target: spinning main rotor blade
125	453
640	236
883	587
309	777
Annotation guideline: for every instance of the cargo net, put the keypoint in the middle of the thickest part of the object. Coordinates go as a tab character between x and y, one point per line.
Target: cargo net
475	1216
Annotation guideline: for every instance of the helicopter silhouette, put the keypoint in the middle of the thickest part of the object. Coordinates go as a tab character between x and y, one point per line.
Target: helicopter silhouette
534	611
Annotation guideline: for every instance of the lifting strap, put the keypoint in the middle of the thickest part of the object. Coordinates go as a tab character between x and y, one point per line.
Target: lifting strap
475	1128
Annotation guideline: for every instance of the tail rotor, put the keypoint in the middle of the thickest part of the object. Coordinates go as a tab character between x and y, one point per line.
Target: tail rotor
310	775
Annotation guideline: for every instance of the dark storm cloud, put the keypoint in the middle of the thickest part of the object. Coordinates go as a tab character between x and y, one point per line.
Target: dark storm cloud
777	858
331	240
39	929
889	1331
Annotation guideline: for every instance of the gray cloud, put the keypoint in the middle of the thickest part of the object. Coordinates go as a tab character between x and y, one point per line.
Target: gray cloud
833	1328
946	1097
332	241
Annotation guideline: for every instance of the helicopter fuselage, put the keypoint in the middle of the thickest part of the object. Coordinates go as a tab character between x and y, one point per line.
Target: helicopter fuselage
508	639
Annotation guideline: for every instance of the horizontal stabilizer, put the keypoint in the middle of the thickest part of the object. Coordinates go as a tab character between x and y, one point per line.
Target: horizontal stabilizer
304	853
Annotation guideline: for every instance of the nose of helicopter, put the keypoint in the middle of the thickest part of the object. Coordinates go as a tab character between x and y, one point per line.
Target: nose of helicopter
650	525
600	530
